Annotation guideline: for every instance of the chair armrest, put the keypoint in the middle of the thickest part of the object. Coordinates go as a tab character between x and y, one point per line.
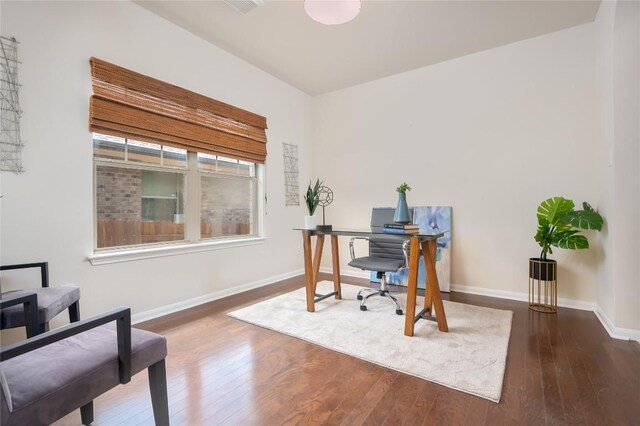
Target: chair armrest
30	302
122	316
44	270
351	249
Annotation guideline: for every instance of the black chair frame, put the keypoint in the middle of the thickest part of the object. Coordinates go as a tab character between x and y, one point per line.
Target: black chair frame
74	308
30	302
122	316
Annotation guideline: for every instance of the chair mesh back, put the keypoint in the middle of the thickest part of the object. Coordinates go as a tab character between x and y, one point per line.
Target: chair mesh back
379	246
386	248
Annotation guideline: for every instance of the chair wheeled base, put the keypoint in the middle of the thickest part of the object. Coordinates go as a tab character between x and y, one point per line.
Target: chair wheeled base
387	253
383	291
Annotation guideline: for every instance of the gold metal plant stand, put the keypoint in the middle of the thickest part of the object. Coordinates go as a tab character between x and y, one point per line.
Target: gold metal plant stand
543	286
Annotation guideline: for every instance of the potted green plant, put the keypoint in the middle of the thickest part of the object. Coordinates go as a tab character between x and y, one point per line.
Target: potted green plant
401	214
311	199
559	225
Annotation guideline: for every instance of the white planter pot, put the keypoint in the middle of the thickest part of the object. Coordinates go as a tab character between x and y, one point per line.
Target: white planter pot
310	222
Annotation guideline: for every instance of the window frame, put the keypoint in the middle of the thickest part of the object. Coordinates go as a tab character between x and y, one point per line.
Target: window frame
193	240
253	179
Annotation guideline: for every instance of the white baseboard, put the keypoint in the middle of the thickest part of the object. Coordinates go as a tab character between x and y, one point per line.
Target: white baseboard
500	294
616	332
195	301
522	297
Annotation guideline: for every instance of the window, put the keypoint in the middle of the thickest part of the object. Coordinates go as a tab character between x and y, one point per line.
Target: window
227	196
170	164
140	195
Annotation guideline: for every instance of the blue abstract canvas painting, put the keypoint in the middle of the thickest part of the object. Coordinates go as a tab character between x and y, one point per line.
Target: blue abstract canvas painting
431	219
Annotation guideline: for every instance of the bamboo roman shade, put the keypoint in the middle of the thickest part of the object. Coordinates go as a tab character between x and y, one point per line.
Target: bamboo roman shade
135	106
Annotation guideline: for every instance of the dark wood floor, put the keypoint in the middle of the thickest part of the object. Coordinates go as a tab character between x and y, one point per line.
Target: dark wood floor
561	369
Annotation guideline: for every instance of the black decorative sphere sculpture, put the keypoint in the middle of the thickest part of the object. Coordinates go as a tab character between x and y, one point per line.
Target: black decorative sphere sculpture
325	197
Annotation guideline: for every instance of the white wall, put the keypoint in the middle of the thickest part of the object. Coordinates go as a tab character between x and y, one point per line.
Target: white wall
619	26
605	150
47	211
618	135
626	163
491	134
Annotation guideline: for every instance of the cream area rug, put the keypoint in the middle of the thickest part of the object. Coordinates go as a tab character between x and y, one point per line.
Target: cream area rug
471	357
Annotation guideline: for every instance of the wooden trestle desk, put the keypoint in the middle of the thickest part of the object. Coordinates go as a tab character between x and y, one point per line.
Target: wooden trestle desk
428	243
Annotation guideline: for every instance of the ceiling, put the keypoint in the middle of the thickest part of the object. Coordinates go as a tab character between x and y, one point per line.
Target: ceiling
388	37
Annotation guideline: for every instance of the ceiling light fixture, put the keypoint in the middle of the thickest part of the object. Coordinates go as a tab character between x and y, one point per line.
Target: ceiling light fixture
332	12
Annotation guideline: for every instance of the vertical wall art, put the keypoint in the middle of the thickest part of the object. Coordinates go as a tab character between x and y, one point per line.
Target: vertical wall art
10	141
291	184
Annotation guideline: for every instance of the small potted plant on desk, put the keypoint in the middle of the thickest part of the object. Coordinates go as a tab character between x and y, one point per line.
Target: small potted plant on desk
312	199
559	225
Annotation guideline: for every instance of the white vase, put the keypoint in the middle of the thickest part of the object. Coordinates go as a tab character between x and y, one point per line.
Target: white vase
310	222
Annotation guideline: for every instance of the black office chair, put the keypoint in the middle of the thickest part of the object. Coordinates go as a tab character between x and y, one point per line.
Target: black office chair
386	254
51	300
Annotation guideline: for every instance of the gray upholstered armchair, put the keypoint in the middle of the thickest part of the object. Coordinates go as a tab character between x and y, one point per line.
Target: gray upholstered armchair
46	377
51	300
386	254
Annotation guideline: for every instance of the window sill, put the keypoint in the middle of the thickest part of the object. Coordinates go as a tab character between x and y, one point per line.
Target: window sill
127	255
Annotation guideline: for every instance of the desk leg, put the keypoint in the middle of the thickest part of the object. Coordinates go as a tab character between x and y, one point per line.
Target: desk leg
336	266
433	287
428	293
308	271
317	258
412	286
